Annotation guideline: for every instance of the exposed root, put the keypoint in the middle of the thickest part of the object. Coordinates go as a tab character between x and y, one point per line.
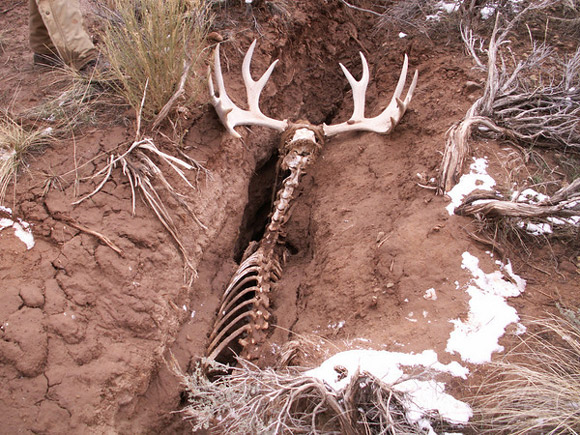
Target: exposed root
87	230
141	172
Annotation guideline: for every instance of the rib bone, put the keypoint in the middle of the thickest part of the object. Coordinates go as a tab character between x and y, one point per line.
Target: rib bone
230	114
243	317
388	119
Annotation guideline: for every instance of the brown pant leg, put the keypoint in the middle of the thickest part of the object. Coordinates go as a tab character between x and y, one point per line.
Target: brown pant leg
63	20
39	38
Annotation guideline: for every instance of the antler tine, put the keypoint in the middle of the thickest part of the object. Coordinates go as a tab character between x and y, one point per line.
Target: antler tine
389	118
254	88
230	114
359	89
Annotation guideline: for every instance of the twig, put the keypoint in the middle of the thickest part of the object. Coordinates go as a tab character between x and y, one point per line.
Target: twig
360	9
180	90
139	115
99	236
14	6
60	217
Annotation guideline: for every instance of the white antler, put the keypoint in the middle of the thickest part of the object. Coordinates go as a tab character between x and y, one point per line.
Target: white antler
230	114
388	119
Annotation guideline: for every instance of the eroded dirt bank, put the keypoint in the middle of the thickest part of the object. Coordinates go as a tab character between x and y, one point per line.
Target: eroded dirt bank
88	334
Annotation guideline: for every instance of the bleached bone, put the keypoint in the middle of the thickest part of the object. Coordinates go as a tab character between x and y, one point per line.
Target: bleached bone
230	114
389	118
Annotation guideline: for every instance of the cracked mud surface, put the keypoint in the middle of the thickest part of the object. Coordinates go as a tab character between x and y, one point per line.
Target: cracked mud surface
87	334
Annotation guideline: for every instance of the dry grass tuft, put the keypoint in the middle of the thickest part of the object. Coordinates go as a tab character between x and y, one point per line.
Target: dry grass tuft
152	45
536	389
17	143
79	101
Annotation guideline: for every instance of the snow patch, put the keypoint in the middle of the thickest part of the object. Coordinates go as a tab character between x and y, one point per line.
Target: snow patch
477	179
21	229
430	294
476	338
530	196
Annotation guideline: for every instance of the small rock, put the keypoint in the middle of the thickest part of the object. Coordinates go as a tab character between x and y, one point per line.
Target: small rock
567	266
380	236
215	36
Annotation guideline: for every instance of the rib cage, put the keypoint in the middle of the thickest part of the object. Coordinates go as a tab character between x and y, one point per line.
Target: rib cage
243	317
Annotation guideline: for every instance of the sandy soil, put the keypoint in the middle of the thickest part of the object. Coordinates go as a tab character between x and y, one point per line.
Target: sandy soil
87	334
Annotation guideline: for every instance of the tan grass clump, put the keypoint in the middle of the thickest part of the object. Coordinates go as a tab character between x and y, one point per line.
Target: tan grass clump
536	389
78	100
16	144
152	45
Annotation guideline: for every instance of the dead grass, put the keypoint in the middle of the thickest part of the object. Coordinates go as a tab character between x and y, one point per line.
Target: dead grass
536	388
78	101
17	143
152	45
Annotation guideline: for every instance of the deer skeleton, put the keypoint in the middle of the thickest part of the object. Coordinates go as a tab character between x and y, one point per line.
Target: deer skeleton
243	315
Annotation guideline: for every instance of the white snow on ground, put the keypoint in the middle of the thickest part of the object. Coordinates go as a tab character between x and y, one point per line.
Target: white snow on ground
477	179
476	338
21	228
529	196
442	7
535	229
486	12
422	396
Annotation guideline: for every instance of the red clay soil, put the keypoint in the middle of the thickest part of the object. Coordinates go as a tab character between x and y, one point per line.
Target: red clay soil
88	335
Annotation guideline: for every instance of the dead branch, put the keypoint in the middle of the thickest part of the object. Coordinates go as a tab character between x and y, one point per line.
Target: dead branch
497	208
560	211
529	104
251	400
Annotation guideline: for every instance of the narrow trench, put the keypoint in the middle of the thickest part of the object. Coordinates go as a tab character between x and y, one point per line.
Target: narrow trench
261	192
